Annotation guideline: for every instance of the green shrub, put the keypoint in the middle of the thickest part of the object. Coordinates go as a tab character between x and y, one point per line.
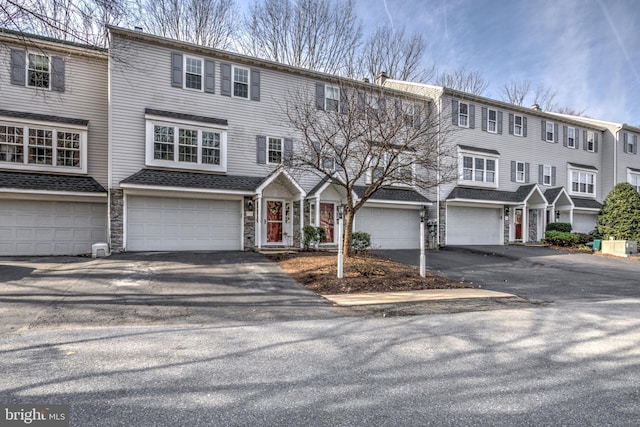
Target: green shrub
360	241
583	238
312	235
564	227
620	214
560	238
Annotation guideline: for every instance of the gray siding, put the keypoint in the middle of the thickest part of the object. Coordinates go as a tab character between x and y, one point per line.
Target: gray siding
85	96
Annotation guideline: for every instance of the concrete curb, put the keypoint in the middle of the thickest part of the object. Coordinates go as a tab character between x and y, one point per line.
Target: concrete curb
373	298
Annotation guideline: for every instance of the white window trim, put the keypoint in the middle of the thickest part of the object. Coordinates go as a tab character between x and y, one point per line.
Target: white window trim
524	171
184	77
281	150
460	104
55	127
545	169
553	132
495	122
26	76
474	155
591	142
233	82
152	121
521	134
636	175
570	171
333	87
573	143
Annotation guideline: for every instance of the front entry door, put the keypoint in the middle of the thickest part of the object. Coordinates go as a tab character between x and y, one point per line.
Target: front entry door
518	221
275	220
327	221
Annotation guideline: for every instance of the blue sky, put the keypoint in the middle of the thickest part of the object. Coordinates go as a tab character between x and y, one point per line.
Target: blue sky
586	50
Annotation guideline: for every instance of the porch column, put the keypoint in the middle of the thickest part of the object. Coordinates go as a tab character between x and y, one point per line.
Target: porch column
258	209
316	220
301	220
525	224
571	217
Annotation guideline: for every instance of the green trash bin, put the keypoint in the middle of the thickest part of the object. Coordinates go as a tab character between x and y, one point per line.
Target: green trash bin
597	244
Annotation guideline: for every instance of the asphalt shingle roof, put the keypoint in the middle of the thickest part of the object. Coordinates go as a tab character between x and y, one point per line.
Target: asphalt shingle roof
43	117
491	195
552	193
392	194
578	165
50	182
579	202
318	186
183	116
194	180
479	150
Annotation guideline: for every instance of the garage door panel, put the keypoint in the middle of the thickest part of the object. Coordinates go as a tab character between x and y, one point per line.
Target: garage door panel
390	228
155	223
30	227
474	226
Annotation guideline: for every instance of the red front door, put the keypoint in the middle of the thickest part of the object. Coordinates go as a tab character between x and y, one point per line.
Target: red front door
518	221
274	221
327	220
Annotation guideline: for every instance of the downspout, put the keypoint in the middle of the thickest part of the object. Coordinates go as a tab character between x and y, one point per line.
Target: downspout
438	174
301	219
615	156
258	208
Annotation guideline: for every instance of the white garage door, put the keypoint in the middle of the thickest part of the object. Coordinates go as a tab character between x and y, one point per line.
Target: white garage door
34	227
168	224
473	226
390	228
584	223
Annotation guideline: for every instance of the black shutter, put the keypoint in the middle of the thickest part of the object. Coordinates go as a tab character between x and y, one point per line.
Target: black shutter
577	138
320	96
555	133
261	149
18	67
635	144
209	76
585	146
625	142
288	149
595	142
511	123
57	74
454	112
513	171
540	174
344	101
255	84
225	84
526	173
500	122
553	176
484	118
564	136
176	69
472	116
524	126
544	130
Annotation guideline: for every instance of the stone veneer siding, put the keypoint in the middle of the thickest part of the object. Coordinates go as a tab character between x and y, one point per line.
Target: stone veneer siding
116	214
249	218
533	225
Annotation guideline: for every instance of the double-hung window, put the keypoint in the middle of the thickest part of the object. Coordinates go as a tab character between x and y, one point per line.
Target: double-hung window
241	82
186	145
274	150
42	147
630	143
192	73
550	132
520	172
590	142
39	71
583	183
478	169
571	137
396	170
518	125
492	121
331	98
634	180
546	175
463	114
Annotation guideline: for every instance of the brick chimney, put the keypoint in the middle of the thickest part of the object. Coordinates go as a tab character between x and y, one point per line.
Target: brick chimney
381	77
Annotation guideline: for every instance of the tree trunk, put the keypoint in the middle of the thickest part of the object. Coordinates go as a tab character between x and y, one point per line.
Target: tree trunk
348	229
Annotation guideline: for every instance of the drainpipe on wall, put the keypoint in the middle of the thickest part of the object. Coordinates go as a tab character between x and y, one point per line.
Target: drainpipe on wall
438	175
615	156
301	243
258	208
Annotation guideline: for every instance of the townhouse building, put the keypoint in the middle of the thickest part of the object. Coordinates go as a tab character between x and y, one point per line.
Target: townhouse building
522	168
53	146
161	145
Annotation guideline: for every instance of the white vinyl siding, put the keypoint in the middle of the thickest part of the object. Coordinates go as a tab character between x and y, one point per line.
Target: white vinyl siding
176	224
35	227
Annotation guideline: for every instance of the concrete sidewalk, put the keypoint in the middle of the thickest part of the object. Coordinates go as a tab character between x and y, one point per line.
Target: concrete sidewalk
373	298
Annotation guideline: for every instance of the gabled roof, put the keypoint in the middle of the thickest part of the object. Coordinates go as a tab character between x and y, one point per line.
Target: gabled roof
319	186
553	195
43	117
579	202
23	37
392	194
166	178
578	165
50	182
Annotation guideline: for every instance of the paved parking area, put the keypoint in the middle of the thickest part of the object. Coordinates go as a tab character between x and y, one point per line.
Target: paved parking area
151	288
535	273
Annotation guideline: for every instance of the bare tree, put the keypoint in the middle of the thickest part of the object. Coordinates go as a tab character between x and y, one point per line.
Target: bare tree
544	97
515	92
570	111
320	35
205	22
465	81
369	140
387	49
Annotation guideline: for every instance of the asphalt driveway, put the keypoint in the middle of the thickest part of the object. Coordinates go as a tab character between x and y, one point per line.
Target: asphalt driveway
532	272
150	288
